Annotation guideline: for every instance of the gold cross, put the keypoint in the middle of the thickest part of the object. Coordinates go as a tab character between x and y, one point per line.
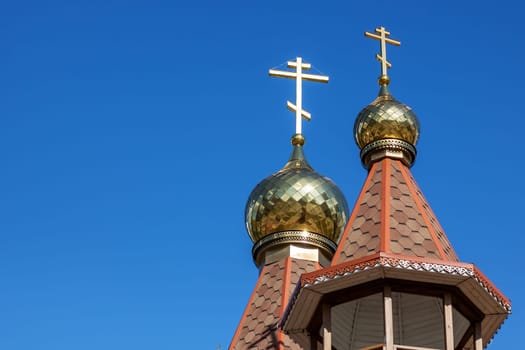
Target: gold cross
382	37
299	76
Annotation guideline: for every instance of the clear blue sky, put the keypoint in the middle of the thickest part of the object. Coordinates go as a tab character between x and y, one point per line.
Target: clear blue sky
132	132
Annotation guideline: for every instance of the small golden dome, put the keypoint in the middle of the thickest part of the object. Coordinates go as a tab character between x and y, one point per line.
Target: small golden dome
386	118
296	198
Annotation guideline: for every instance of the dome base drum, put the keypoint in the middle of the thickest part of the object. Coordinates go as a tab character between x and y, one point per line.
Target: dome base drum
269	247
392	148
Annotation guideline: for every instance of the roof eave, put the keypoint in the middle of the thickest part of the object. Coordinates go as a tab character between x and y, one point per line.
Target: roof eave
466	277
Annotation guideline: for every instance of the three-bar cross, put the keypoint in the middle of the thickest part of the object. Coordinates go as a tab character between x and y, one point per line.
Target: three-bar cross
382	37
299	76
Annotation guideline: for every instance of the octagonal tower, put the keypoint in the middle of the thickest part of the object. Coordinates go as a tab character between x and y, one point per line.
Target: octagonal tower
395	282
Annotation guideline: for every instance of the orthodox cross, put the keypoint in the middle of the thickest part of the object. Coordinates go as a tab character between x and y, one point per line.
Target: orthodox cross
382	37
299	76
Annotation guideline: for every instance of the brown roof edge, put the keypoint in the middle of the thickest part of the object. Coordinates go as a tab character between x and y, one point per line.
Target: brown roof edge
348	228
408	262
291	302
243	317
423	213
375	259
284	300
311	277
492	289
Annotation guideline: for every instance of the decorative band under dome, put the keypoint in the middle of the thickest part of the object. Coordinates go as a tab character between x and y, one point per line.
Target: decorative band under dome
393	148
286	237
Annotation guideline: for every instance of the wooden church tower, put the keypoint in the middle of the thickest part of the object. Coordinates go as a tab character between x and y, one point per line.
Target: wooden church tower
392	282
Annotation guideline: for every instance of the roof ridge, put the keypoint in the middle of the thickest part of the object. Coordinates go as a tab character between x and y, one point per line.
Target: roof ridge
424	214
247	308
284	299
435	224
353	215
385	206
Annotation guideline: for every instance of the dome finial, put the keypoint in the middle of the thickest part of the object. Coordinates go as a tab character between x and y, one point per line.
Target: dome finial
299	76
384	80
298	140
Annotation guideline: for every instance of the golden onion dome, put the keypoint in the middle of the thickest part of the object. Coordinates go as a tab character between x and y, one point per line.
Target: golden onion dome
296	199
386	125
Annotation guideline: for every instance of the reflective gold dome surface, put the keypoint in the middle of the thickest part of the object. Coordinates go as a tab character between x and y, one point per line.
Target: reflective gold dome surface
296	198
386	118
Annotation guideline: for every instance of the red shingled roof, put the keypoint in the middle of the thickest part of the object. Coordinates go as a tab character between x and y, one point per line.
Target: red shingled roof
258	328
392	216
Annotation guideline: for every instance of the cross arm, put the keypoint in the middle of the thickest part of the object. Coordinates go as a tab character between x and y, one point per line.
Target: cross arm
282	74
292	64
380	58
378	37
293	75
313	77
292	107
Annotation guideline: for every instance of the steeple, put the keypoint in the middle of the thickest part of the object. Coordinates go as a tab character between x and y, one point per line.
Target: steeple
395	281
295	218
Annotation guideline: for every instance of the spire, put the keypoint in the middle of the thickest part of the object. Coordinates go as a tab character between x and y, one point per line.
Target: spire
297	159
